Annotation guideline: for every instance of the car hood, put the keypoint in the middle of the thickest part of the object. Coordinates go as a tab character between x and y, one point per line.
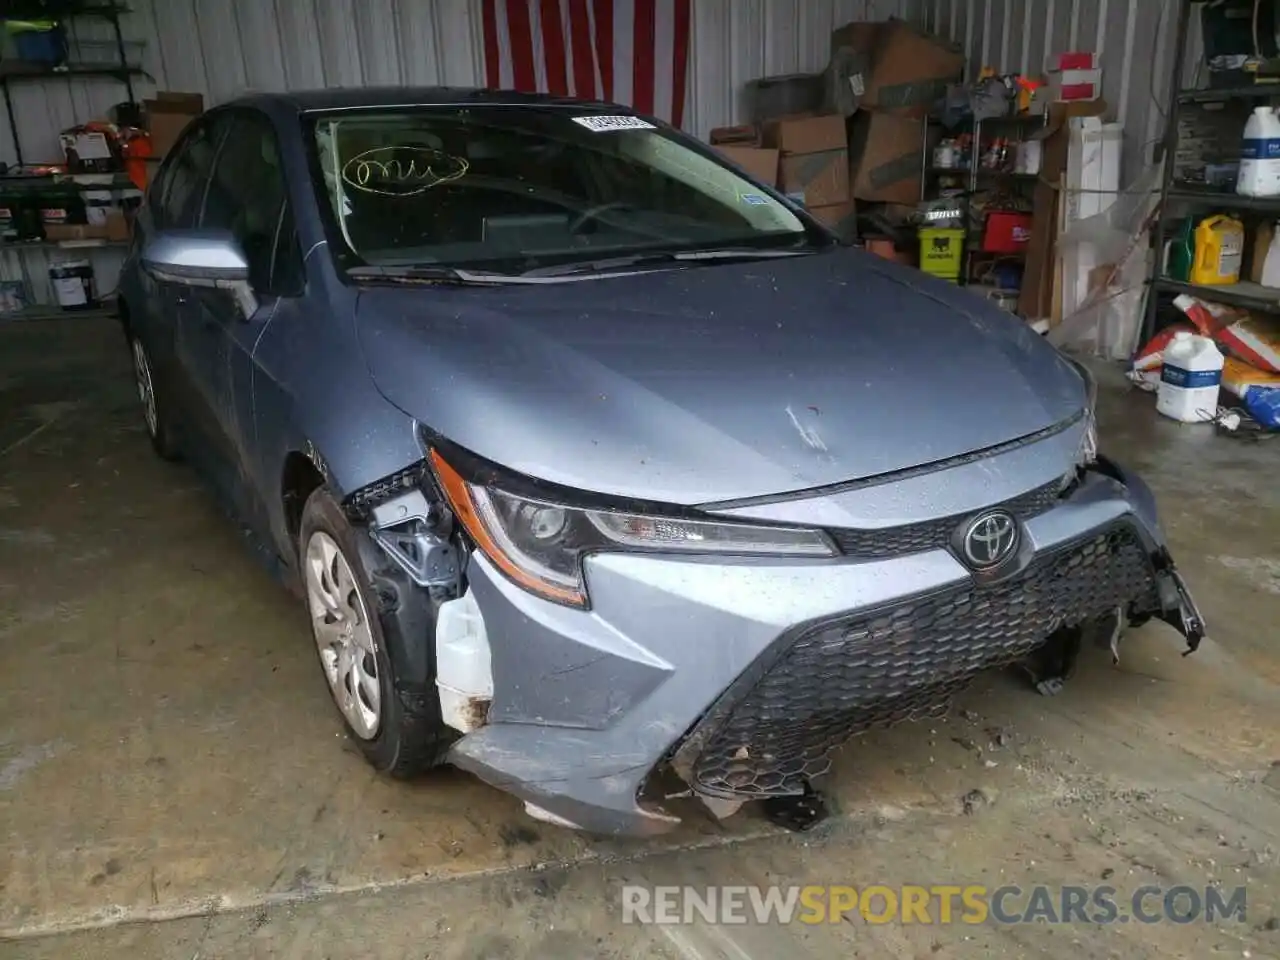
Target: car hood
713	383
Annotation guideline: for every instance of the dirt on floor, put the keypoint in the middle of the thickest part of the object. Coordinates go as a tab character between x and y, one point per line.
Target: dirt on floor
173	782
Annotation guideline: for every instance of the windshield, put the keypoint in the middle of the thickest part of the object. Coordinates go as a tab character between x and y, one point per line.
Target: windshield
517	188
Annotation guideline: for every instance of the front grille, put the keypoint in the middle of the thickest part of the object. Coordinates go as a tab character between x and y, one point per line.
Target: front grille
777	725
935	534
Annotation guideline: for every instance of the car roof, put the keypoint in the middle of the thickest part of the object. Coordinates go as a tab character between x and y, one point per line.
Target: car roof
358	98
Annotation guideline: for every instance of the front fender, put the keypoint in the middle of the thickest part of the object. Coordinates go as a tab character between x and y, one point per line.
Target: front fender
313	395
1141	498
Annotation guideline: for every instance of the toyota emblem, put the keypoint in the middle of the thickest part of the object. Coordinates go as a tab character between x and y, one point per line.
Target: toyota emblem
989	540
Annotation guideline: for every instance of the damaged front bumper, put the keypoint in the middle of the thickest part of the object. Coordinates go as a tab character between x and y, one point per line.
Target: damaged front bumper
743	675
1176	607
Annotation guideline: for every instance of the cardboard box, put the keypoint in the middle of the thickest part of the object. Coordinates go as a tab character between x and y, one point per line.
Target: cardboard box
805	134
168	115
1071	85
119	227
760	162
115	227
840	217
910	70
852	52
885	157
816	179
744	135
1074	60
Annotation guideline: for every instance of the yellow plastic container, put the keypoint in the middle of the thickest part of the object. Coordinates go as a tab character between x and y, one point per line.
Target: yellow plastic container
941	251
1219	251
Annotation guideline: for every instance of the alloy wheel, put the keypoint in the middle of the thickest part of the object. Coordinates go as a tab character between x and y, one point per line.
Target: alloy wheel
343	635
146	389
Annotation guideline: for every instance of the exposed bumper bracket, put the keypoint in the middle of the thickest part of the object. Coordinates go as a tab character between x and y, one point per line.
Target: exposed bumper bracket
1177	608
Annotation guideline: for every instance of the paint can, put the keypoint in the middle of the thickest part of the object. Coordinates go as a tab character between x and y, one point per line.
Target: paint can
13	297
73	286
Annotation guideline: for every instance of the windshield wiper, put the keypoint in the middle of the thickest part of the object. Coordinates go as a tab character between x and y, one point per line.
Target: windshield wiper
670	256
437	273
433	273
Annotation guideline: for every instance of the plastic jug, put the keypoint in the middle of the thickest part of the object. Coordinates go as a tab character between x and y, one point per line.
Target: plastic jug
1266	254
1189	379
1219	251
1180	252
1260	155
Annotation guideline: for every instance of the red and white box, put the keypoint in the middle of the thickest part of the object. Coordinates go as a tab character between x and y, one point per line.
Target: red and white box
1069	85
1074	60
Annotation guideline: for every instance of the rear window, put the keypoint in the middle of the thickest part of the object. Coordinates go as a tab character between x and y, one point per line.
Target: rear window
515	187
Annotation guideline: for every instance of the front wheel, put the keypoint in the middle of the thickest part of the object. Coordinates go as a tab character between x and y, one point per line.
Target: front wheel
396	733
159	419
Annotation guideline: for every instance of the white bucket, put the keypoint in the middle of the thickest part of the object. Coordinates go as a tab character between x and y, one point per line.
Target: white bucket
1189	379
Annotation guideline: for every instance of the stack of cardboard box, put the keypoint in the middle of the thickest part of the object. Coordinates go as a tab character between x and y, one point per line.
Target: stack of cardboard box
742	145
813	166
906	72
168	115
804	156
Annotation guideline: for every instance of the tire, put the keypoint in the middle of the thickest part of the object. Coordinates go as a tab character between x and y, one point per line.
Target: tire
157	412
407	735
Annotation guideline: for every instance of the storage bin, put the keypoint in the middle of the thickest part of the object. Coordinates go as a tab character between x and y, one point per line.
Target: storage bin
942	251
41	46
1006	232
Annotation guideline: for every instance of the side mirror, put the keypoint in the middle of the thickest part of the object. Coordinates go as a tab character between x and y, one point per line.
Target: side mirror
201	258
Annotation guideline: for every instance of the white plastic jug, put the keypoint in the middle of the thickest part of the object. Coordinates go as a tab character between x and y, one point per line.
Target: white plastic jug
1260	155
1190	378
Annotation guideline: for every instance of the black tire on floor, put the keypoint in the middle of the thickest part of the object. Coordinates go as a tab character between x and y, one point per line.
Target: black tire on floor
164	435
411	737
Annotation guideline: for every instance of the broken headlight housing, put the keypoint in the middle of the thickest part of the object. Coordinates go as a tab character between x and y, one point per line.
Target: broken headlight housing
1088	453
539	542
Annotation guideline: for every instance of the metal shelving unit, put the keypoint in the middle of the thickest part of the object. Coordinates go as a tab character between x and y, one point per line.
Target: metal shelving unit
976	177
105	310
1174	194
1217	95
1209	197
1252	296
22	71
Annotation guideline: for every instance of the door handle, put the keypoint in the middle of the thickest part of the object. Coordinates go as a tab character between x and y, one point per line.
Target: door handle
181	300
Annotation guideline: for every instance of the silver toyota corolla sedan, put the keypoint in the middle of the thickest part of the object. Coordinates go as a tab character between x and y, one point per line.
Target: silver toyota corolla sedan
598	463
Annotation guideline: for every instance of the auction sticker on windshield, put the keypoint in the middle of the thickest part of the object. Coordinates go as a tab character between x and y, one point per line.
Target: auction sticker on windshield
605	124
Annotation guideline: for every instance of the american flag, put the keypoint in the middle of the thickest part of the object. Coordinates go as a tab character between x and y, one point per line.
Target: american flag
634	52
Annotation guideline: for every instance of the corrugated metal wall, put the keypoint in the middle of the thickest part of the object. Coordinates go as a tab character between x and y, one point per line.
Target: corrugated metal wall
1134	38
222	48
735	41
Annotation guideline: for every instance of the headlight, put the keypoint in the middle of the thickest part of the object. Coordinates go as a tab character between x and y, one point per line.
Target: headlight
1089	443
540	544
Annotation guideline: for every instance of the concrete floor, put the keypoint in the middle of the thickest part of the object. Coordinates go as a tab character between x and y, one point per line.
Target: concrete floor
173	782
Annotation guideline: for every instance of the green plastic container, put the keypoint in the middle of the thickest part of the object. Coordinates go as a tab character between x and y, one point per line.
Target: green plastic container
1181	251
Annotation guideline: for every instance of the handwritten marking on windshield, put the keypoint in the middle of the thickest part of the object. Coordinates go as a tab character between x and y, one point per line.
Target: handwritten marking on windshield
402	171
